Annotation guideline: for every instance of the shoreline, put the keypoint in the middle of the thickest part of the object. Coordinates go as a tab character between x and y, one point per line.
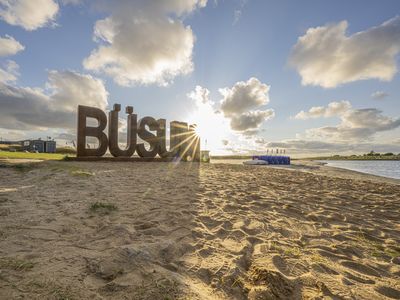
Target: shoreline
360	173
320	168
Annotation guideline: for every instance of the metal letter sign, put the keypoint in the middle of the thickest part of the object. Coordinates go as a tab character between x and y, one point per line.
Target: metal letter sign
184	143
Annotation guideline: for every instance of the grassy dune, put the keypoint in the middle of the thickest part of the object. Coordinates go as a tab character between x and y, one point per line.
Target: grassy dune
24	155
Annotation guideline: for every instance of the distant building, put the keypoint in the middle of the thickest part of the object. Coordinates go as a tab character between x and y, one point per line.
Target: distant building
39	146
50	147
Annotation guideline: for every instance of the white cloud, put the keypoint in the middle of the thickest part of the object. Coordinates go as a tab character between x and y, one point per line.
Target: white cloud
237	13
251	119
201	95
28	14
315	147
333	109
144	42
73	2
239	104
355	125
327	57
307	147
379	95
9	46
244	96
55	107
9	73
12	135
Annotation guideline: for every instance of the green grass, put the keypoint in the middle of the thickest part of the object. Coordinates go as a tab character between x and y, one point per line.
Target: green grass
24	167
293	251
51	290
102	208
81	173
375	249
16	264
25	155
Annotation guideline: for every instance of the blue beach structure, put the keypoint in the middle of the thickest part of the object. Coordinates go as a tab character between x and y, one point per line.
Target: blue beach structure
274	160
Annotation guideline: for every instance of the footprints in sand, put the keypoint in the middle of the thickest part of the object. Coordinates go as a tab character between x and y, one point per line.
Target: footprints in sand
216	232
274	242
361	268
268	284
358	278
388	292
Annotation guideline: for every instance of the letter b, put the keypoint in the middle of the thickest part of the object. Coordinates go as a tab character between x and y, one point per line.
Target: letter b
85	112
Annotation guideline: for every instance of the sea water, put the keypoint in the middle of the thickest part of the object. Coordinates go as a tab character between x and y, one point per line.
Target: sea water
386	168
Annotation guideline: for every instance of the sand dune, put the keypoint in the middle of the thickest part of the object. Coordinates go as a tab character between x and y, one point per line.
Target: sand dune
215	231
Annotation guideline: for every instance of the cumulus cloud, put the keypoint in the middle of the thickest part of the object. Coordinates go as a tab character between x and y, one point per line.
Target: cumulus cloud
54	107
9	73
379	95
200	95
244	96
301	147
333	109
66	136
327	56
358	124
238	11
28	14
307	145
355	125
251	119
9	46
239	104
144	42
314	147
12	135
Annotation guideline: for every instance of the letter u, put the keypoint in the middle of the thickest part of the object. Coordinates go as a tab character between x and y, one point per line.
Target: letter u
115	150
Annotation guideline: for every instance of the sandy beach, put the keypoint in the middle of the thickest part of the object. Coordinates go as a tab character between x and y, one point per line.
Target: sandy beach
80	230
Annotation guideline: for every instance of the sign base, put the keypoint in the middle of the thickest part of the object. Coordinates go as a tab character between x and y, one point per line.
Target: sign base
126	159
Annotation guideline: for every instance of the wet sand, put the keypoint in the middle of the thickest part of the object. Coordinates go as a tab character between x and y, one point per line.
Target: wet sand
76	230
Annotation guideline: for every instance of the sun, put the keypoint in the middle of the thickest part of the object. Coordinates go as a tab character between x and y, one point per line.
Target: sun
211	127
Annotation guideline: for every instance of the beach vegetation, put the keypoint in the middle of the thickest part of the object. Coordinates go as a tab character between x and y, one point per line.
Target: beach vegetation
10	147
318	258
374	248
61	293
29	155
274	246
288	251
72	169
21	167
366	156
102	207
81	173
51	290
293	251
66	150
16	264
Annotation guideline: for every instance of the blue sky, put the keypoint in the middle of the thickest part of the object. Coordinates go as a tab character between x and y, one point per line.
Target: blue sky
249	48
